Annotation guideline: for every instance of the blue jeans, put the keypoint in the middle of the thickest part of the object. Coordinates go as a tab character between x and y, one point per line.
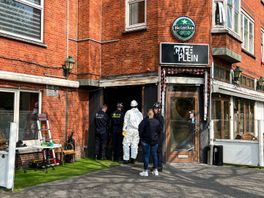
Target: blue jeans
147	149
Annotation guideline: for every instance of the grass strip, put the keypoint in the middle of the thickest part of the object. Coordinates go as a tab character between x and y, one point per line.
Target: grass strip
80	167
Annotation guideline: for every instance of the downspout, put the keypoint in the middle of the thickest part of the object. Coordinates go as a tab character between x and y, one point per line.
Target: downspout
67	53
211	124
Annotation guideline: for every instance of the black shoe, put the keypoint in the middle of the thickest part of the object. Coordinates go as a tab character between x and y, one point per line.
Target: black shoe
160	169
125	162
132	161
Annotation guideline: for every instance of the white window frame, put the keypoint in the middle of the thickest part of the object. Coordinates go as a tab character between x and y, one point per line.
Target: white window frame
245	16
262	46
34	5
16	110
135	26
224	27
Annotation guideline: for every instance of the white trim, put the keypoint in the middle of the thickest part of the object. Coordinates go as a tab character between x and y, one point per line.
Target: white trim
137	26
16	99
262	45
38	7
31	4
231	115
12	76
250	20
125	81
185	80
233	90
219	28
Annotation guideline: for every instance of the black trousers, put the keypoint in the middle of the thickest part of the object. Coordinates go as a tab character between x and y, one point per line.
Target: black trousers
160	151
100	145
117	140
160	156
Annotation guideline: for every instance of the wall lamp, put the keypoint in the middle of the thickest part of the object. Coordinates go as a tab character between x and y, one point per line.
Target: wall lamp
237	73
68	65
260	83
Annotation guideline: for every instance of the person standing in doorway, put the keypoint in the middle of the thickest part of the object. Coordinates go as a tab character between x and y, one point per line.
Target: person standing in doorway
101	134
117	121
132	119
159	117
149	132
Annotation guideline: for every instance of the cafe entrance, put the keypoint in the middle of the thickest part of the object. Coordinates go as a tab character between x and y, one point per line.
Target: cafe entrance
182	123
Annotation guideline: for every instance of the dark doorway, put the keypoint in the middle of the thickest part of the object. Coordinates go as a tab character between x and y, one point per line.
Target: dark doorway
114	95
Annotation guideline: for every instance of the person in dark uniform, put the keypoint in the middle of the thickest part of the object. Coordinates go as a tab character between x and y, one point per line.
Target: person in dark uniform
117	120
101	133
159	117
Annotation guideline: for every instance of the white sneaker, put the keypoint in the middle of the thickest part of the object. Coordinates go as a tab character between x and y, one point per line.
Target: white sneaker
155	172
143	173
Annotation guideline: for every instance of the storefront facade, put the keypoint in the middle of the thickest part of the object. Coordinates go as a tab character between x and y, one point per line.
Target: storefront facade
183	54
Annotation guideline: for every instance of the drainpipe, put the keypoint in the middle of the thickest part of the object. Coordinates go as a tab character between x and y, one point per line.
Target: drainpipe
66	113
211	127
260	127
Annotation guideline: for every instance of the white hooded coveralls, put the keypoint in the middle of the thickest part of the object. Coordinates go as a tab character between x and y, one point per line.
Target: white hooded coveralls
132	119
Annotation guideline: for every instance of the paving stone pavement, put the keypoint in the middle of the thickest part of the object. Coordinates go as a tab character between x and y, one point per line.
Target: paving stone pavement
177	180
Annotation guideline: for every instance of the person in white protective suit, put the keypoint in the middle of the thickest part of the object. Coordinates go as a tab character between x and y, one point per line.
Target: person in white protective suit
132	119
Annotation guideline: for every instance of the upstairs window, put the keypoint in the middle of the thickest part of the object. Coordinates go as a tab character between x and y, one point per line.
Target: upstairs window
135	14
262	46
247	29
222	74
22	18
226	15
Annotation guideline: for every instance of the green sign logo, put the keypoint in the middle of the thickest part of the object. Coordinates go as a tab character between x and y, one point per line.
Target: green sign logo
183	28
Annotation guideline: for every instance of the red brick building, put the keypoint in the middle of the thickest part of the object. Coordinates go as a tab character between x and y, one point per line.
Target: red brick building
182	53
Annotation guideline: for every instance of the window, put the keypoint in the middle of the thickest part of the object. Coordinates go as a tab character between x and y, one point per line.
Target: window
243	116
21	107
135	14
226	14
246	82
221	116
22	18
222	74
28	112
262	47
247	29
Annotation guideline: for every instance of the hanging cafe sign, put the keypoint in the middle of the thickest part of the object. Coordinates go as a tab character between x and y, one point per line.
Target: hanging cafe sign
184	54
183	28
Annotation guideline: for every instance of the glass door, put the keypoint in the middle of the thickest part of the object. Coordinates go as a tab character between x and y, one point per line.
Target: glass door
182	126
6	114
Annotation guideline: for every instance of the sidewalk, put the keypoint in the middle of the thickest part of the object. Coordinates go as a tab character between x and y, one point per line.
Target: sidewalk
177	180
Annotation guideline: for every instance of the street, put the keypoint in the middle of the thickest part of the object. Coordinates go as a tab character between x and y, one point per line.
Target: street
177	180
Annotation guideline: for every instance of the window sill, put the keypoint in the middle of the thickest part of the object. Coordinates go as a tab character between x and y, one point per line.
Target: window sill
138	29
23	40
226	31
248	53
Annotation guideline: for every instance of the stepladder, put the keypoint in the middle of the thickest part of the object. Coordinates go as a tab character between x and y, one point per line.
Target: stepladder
46	143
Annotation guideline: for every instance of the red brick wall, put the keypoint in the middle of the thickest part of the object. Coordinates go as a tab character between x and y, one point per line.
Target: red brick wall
37	60
89	33
22	57
135	52
138	52
252	64
55	107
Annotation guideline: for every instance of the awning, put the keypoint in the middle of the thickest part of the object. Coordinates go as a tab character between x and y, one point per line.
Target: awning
237	91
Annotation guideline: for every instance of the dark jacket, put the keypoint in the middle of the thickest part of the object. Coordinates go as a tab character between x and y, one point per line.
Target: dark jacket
117	120
101	122
149	131
160	118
